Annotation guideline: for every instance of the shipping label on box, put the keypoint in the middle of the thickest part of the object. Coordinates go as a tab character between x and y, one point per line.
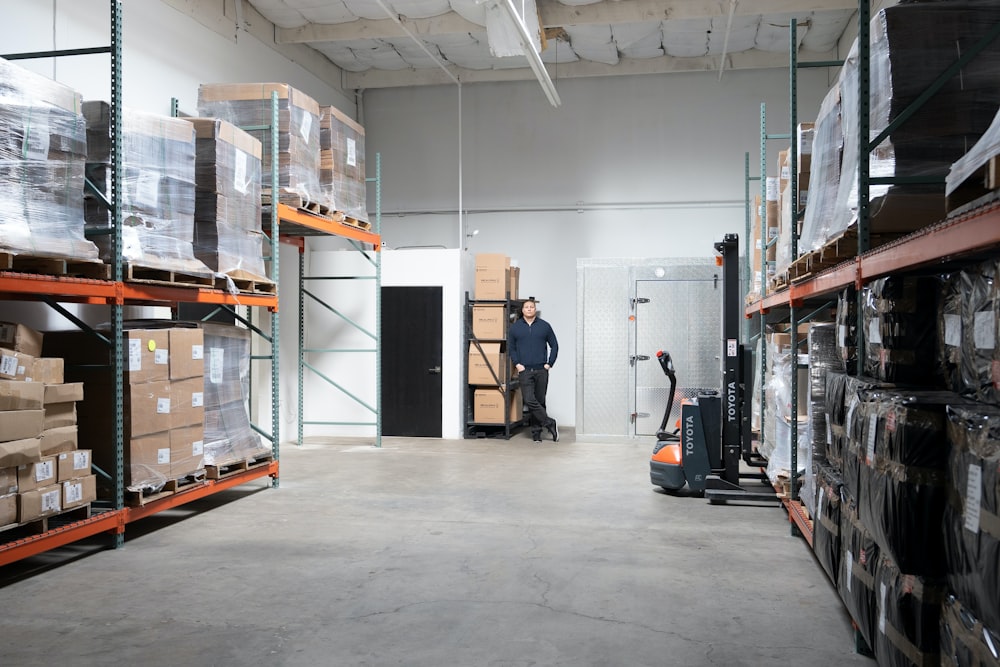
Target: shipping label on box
59	415
63	393
36	475
148	461
79	492
15	395
71	465
187	451
8	481
39	503
47	370
14	365
20	338
20	424
148	408
148	355
489	321
489	366
187	402
187	353
58	440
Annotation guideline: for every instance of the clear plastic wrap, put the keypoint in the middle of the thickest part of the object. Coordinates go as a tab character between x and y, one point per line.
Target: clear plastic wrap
911	44
823	358
965	641
903	465
43	149
949	323
249	104
907	629
972	516
157	188
982	152
847	328
979	332
342	163
228	435
828	148
227	234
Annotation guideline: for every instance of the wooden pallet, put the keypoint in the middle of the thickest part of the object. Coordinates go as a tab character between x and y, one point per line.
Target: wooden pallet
172	486
42	525
49	266
354	222
247	285
837	250
143	274
224	470
296	200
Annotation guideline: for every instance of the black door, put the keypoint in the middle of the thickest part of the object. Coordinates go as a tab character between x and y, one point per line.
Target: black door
411	361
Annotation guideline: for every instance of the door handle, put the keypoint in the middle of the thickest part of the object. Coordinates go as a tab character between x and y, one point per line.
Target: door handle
436	370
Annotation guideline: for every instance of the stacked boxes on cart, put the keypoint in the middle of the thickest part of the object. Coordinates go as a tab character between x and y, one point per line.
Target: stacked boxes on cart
190	188
905	489
496	283
42	470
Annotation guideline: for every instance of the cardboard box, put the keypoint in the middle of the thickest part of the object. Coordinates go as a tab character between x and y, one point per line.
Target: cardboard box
187	451
8	509
513	282
20	338
187	402
79	492
16	395
18	452
482	369
222	92
187	353
489	321
58	415
14	365
147	408
147	461
35	475
20	424
8	481
147	352
63	393
39	503
72	465
47	370
491	276
216	128
58	440
488	406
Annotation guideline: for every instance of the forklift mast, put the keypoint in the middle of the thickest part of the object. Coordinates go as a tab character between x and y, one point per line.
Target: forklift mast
732	360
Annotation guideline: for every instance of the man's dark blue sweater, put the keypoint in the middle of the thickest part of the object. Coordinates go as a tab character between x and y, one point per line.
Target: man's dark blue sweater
526	344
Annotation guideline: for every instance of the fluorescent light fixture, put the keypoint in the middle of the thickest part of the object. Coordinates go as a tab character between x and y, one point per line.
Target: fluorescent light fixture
534	58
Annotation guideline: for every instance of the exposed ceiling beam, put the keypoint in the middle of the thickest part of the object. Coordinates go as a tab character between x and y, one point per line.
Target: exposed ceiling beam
556	14
744	60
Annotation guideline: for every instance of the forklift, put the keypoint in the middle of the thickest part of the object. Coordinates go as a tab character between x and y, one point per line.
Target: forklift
704	453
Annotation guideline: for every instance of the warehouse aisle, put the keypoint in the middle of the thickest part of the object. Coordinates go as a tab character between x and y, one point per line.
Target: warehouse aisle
430	552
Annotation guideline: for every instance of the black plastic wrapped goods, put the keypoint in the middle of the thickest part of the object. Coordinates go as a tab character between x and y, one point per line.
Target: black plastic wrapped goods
965	641
979	332
907	626
862	398
949	344
859	568
822	359
847	328
826	522
836	414
972	515
900	328
902	476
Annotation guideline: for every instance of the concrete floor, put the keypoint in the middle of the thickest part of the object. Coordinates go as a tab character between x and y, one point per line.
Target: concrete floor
431	552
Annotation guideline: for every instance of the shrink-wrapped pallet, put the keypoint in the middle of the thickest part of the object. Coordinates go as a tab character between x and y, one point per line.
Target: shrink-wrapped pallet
826	520
899	321
43	150
908	618
342	163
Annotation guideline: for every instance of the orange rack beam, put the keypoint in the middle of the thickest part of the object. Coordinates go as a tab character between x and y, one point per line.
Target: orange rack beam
798	516
296	222
103	522
199	491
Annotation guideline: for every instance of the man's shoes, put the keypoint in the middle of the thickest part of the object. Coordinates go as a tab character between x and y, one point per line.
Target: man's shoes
553	430
536	437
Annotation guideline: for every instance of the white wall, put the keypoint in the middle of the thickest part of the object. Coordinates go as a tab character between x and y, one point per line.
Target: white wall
649	166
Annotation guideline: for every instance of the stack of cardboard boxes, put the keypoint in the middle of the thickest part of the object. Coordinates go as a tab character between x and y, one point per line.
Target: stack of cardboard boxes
342	163
41	470
489	368
786	221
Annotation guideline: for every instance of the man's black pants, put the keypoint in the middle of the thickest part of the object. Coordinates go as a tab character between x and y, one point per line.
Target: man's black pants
534	384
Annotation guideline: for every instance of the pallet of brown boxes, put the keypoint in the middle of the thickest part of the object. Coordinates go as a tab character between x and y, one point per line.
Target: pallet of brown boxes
42	470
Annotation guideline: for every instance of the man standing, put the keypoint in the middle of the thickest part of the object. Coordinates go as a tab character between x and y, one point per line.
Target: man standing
532	347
